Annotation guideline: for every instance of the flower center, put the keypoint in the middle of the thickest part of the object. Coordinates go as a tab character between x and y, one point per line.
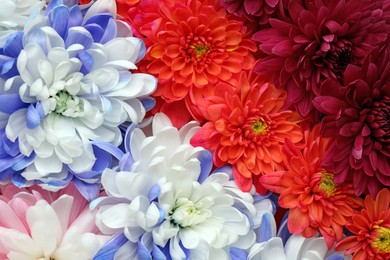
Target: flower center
259	127
339	56
67	104
379	119
327	184
187	213
381	242
199	50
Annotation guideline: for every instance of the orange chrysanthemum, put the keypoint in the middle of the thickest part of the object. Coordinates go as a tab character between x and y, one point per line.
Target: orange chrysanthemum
246	128
316	203
371	228
192	45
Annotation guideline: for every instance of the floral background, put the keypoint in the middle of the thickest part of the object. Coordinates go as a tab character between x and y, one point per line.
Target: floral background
195	129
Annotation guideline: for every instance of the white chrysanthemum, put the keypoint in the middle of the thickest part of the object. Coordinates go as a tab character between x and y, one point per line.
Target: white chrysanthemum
69	108
169	199
14	15
47	234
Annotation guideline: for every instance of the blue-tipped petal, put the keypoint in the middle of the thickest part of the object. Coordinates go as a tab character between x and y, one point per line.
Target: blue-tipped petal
8	148
157	254
162	217
110	31
6	175
9	162
154	192
59	20
78	35
9	69
13	46
96	31
148	103
283	232
89	176
206	164
19	181
89	191
103	159
126	162
111	247
23	163
237	254
127	138
265	229
75	16
87	60
142	52
33	118
335	257
143	252
59	183
52	4
226	169
11	103
110	148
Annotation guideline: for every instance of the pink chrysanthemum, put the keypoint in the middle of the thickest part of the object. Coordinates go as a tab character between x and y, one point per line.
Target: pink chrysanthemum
247	128
318	42
316	203
357	114
255	10
192	45
45	225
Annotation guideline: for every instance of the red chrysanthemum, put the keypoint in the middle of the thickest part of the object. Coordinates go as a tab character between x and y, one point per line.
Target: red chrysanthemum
371	229
358	115
192	45
246	128
316	203
317	42
254	10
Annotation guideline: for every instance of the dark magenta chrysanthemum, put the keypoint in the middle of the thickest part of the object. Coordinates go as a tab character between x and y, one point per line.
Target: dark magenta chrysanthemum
317	42
358	115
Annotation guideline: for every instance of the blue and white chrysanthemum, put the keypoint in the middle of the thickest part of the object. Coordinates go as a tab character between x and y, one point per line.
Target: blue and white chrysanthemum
168	206
14	15
68	85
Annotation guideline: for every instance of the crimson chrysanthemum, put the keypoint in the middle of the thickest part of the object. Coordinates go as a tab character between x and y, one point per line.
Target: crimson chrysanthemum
246	128
255	10
357	114
371	230
317	42
316	203
192	45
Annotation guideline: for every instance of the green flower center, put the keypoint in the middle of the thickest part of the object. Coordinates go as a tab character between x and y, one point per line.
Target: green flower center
259	127
327	184
67	104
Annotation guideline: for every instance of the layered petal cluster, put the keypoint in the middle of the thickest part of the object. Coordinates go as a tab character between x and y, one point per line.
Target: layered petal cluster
316	203
14	15
317	42
168	206
357	114
68	84
255	10
192	45
247	128
370	229
36	226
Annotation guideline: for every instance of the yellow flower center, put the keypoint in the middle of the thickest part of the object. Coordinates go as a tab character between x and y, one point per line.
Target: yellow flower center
259	127
327	184
199	50
381	242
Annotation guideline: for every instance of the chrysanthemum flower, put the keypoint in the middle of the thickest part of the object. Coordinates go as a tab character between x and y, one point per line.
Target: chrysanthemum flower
67	83
317	43
168	206
247	128
255	10
316	203
192	45
371	230
357	114
47	226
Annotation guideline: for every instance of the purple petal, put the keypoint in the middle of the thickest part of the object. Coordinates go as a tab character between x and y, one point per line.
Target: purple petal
96	31
206	163
59	20
157	254
79	36
24	162
237	253
52	4
6	175
13	45
110	31
335	257
110	148
126	162
8	148
148	103
154	192
265	230
11	103
59	183
111	247
103	159
33	118
89	191
283	232
19	181
87	60
143	252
